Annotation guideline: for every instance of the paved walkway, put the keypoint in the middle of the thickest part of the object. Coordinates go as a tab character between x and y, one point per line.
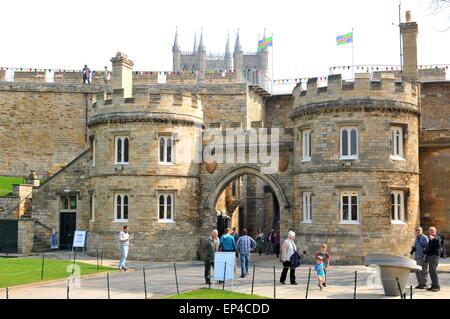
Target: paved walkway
160	281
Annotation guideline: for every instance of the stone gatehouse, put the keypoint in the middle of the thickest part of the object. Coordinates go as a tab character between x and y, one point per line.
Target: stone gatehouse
348	171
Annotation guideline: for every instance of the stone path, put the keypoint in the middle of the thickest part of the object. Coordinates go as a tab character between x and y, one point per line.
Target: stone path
161	281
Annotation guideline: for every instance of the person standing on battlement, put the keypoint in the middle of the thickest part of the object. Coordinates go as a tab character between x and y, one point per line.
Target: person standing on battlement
86	75
107	76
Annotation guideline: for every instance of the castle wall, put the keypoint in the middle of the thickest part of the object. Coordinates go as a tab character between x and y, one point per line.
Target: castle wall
278	109
435	157
41	125
46	205
373	175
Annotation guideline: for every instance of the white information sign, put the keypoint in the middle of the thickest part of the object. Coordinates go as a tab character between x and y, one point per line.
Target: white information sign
79	238
220	258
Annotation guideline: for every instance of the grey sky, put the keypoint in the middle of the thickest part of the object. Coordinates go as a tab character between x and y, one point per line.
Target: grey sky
69	34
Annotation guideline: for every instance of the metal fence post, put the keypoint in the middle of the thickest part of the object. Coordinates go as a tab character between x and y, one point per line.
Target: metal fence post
253	279
224	273
176	278
274	284
7	293
107	281
42	268
68	289
354	289
307	284
145	283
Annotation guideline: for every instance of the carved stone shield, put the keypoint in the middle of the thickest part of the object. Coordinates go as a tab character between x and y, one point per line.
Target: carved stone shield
283	164
211	167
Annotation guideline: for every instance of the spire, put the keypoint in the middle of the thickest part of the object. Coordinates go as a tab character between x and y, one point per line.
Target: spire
176	47
227	46
195	43
201	46
237	45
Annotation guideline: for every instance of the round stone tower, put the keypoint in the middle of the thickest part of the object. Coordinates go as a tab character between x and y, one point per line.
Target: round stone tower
356	166
143	172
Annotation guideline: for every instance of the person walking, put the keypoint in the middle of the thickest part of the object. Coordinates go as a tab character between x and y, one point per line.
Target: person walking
260	241
433	253
287	250
326	261
277	243
319	272
227	243
86	75
418	249
124	238
270	241
245	244
106	76
210	246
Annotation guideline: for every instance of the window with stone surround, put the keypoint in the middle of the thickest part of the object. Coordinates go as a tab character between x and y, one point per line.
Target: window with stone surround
397	207
349	143
396	142
122	149
349	207
121	202
307	207
166	150
91	207
165	207
68	203
306	145
93	145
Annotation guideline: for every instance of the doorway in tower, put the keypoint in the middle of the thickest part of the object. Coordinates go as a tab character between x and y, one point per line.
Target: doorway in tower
248	202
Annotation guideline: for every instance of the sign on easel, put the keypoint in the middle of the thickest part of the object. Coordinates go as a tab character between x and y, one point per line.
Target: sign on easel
220	258
79	238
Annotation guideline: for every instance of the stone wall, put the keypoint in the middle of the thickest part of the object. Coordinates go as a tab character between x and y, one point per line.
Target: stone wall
278	109
25	236
41	125
7	203
435	100
46	205
435	157
373	175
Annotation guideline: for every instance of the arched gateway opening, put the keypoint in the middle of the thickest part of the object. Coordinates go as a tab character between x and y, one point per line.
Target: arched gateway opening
243	197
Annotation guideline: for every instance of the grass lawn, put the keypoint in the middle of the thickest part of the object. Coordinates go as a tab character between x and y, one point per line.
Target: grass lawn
205	293
19	271
7	182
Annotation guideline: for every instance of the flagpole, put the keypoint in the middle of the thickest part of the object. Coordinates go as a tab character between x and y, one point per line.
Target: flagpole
273	76
353	55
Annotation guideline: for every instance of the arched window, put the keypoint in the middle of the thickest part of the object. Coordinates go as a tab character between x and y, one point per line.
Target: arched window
397	206
396	142
306	145
165	207
349	143
122	150
166	149
121	207
307	207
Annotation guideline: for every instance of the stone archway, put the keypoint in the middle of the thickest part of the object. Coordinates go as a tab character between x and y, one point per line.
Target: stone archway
234	173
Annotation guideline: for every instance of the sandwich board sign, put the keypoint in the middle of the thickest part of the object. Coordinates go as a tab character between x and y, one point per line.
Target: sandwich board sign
79	238
220	258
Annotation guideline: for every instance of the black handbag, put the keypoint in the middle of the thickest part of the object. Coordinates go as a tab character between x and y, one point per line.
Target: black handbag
296	260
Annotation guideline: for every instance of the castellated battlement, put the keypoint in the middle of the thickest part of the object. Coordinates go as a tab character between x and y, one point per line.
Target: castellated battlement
147	105
362	93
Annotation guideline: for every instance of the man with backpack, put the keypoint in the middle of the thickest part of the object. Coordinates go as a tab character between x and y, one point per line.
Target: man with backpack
434	251
419	248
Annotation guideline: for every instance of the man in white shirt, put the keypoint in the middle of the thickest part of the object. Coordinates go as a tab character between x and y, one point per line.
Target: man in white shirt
124	238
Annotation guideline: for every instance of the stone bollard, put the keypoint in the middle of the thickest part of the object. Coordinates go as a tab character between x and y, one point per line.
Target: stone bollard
392	267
